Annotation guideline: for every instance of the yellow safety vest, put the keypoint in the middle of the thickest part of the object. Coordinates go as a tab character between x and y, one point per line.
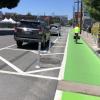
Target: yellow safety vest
76	30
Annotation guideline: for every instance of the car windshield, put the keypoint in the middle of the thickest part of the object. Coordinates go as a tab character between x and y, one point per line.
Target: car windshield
29	24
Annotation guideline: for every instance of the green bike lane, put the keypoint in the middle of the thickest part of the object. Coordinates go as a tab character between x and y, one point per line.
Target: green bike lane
82	66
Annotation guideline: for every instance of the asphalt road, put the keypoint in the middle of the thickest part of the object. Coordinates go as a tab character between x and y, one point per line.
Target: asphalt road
19	77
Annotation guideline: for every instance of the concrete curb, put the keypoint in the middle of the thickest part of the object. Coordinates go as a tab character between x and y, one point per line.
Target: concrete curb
90	46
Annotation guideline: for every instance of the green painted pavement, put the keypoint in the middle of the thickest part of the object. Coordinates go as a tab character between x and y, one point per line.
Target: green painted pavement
77	96
82	65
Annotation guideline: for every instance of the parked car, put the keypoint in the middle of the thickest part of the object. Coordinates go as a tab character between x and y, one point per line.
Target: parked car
55	29
31	31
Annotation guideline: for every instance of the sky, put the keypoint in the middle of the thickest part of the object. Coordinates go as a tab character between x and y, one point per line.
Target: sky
41	7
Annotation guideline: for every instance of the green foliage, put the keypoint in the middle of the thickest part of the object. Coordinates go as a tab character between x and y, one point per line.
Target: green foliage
95	28
8	3
54	20
70	22
93	6
29	14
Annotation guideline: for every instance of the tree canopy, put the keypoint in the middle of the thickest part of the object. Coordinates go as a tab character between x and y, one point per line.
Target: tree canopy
8	3
93	7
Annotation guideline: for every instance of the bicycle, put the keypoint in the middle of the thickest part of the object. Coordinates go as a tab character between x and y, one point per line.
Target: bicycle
76	37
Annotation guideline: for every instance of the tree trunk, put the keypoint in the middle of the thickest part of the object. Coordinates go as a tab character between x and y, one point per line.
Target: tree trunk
98	39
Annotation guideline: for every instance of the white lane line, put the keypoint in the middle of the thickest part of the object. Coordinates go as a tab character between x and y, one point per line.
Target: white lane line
64	38
11	65
58	46
61	74
28	75
43	52
58	95
7	47
55	40
53	54
61	43
36	52
22	50
42	70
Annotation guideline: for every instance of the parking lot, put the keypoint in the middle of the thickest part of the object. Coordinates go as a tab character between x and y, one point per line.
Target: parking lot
20	79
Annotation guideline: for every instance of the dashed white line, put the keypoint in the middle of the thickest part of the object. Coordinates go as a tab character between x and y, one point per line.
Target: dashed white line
11	65
43	70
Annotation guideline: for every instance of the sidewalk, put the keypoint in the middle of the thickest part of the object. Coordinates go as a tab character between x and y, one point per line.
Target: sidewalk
91	40
82	70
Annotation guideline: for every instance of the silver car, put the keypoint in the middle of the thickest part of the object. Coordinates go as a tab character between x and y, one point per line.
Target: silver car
55	29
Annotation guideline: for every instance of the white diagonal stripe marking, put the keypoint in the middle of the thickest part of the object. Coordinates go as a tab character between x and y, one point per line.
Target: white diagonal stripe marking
43	70
11	65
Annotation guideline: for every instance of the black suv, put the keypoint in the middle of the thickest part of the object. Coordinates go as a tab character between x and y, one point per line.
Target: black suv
32	31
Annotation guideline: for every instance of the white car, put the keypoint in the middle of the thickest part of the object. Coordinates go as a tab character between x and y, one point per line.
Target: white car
55	29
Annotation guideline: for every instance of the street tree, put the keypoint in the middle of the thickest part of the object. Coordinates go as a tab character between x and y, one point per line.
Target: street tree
8	3
93	7
29	14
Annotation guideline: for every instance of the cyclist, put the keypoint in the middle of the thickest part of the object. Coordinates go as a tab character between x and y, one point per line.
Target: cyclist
76	32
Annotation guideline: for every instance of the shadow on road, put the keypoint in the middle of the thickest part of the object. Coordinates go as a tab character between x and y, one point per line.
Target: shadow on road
6	32
79	43
33	46
98	51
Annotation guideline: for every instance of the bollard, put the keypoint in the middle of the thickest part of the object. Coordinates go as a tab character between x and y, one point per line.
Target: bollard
58	35
49	45
38	60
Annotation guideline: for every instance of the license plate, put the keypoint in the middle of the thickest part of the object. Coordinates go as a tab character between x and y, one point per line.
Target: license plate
27	33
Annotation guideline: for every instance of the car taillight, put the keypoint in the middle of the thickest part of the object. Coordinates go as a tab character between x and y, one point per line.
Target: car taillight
40	29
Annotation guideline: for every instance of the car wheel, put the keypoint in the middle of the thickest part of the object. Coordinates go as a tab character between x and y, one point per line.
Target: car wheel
47	43
19	44
43	45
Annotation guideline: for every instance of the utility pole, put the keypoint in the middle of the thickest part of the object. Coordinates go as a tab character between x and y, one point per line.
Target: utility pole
74	13
76	10
78	7
81	17
79	13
